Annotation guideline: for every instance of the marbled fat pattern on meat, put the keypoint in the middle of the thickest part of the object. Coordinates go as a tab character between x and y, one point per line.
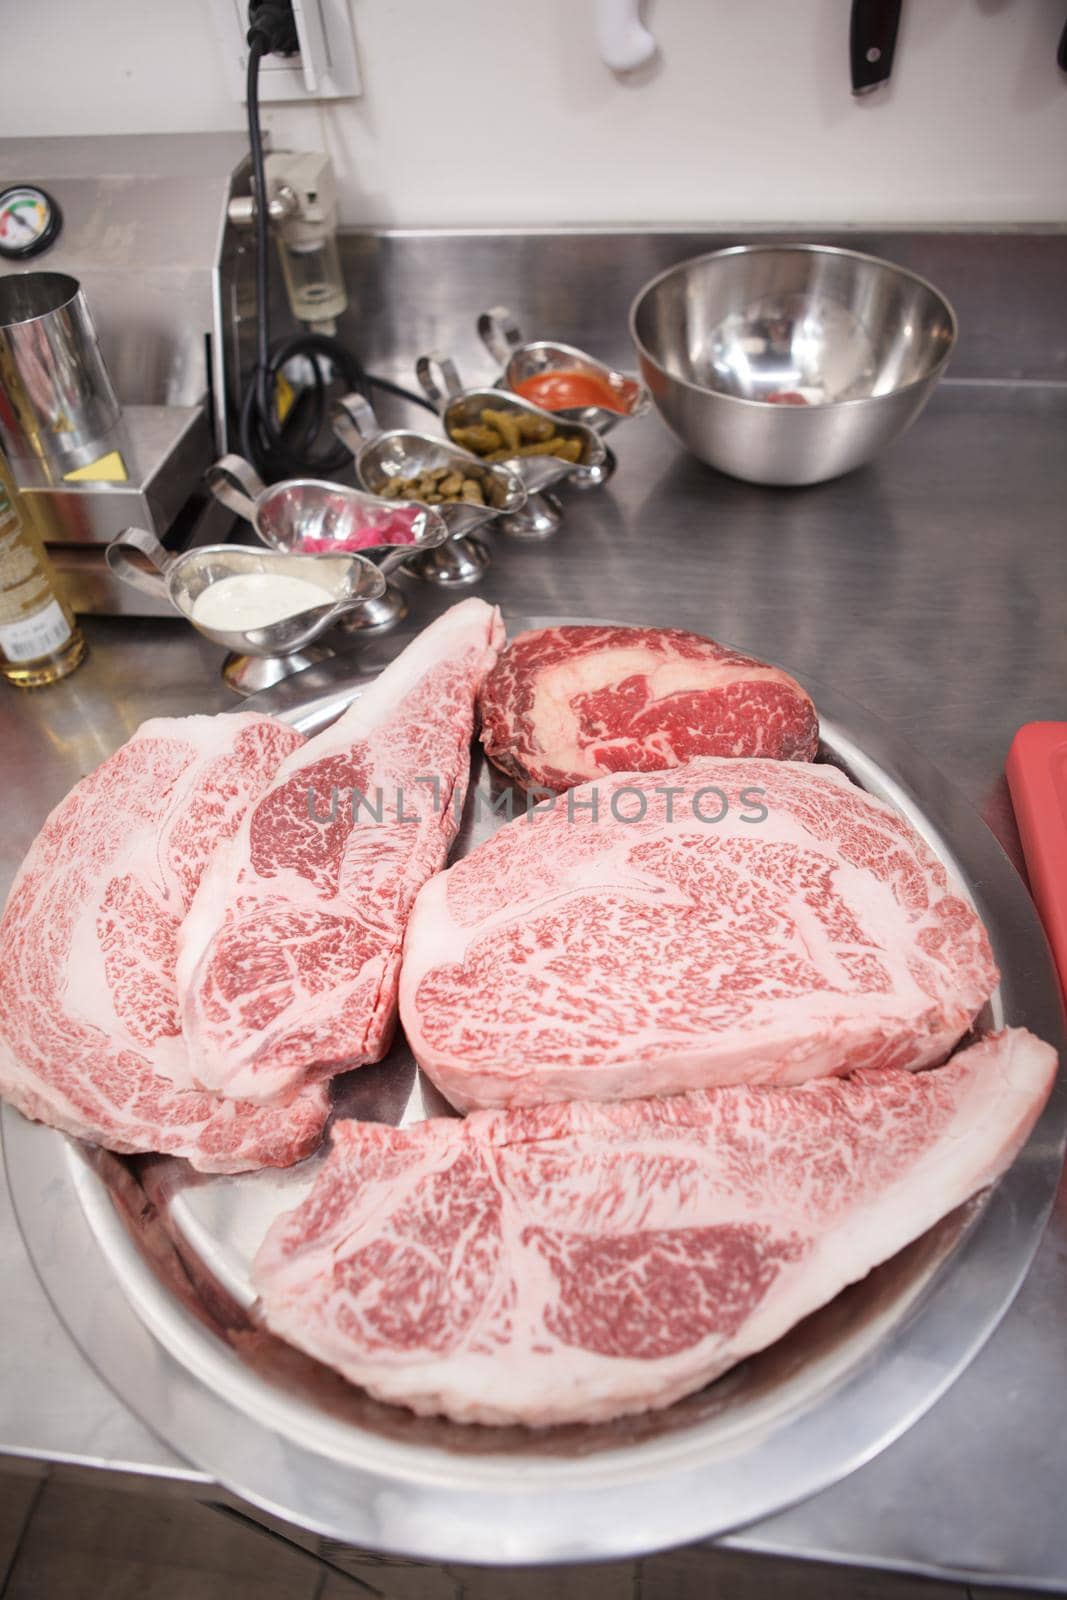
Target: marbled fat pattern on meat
567	704
578	958
288	960
90	1038
574	1263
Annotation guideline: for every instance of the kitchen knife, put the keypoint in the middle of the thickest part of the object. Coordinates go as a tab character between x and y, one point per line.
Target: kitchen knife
1036	769
872	40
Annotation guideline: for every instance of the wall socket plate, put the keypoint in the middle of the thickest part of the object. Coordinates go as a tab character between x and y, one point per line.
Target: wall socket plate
327	67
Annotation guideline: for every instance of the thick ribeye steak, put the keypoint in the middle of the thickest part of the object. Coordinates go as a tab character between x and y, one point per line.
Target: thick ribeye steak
89	1032
760	921
573	1263
288	959
566	704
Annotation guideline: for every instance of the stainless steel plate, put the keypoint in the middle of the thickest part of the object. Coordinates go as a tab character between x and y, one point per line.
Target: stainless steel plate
147	1264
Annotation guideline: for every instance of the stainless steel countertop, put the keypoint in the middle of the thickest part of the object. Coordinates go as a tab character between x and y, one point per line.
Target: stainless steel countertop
931	586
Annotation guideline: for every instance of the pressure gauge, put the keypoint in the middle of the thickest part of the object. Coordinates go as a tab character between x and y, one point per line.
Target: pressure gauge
30	221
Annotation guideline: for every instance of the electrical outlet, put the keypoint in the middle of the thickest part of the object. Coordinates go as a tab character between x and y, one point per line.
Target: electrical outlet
327	67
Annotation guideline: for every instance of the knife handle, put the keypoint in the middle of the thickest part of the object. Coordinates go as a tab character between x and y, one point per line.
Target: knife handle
1036	769
872	41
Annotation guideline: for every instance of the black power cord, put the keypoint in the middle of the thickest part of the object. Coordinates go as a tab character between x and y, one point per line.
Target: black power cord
276	451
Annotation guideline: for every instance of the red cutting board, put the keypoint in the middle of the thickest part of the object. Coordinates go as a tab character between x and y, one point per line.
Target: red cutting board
1037	777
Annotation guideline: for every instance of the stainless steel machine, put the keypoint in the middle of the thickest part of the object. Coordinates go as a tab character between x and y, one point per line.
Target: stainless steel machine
142	225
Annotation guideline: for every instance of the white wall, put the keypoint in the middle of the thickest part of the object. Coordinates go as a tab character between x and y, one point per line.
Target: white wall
499	111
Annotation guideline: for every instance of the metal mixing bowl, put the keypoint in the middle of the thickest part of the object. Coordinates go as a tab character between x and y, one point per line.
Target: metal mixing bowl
850	347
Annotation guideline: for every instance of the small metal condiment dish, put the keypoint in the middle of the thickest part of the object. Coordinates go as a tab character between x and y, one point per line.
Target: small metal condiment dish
383	455
790	363
260	656
462	408
289	514
523	358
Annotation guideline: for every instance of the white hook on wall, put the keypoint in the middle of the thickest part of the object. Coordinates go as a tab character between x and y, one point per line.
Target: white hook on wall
623	40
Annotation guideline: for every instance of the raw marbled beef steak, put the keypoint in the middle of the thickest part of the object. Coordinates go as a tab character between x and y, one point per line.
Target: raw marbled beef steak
288	959
89	1032
574	1263
566	704
762	921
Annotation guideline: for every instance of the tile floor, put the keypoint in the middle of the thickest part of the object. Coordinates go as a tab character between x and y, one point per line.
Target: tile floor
66	1537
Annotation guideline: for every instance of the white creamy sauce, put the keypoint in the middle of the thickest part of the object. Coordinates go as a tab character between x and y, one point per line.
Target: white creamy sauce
255	600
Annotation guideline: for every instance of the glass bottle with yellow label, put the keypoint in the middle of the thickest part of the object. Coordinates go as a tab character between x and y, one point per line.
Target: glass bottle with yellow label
40	642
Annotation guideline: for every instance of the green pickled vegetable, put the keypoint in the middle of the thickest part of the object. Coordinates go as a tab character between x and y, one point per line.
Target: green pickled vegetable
507	426
478	438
